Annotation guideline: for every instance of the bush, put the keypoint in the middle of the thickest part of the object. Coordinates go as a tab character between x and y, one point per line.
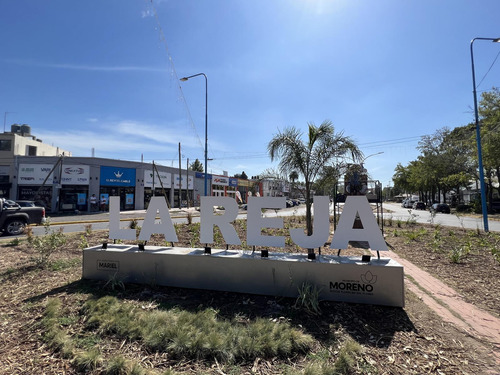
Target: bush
46	245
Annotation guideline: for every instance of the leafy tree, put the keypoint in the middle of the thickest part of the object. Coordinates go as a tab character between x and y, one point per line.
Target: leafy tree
309	157
243	175
196	166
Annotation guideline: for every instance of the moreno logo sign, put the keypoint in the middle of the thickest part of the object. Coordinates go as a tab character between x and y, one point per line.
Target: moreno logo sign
355	207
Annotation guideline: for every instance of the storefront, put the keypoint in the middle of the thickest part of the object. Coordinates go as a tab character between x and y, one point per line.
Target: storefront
74	192
223	186
186	190
117	181
157	183
30	179
5	184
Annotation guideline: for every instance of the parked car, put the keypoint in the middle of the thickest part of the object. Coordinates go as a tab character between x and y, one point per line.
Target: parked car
14	218
419	206
408	203
440	207
29	204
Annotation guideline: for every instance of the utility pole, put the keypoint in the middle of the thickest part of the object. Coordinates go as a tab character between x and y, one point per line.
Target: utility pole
180	177
187	182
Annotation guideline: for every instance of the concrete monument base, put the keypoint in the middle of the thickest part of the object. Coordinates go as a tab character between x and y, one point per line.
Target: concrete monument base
347	279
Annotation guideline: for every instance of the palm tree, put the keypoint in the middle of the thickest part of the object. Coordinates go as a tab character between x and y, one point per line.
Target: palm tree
310	157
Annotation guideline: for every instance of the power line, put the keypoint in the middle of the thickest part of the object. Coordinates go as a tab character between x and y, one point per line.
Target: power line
491	66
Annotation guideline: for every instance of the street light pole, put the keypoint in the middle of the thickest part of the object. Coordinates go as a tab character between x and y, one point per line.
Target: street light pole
478	133
369	156
206	124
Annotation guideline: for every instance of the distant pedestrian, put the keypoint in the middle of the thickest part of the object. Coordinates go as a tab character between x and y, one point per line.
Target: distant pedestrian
103	202
93	203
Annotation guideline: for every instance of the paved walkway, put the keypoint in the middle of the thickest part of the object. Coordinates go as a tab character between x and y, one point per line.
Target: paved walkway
450	306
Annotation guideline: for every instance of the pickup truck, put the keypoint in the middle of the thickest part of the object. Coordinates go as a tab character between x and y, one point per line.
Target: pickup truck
14	218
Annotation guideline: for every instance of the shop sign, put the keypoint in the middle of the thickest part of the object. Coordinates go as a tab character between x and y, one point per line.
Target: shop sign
35	174
165	177
117	176
4	170
202	175
233	182
75	174
183	182
220	180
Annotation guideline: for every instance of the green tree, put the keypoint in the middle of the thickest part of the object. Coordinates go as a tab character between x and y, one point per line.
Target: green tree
196	166
309	157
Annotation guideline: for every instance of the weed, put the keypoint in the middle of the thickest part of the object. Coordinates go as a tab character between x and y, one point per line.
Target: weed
399	223
308	299
114	282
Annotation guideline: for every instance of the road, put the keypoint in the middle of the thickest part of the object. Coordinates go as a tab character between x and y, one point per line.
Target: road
449	220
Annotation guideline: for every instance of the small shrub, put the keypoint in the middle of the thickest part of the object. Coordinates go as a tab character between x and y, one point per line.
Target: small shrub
46	244
457	254
84	243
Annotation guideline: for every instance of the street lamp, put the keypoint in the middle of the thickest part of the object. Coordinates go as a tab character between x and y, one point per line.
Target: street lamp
478	133
206	122
369	156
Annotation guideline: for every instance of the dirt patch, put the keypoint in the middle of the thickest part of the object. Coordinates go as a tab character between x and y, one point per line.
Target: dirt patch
412	340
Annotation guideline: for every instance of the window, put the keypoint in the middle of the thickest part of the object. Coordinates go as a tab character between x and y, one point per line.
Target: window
31	150
5	145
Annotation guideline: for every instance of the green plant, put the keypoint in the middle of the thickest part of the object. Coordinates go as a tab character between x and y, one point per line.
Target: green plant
189	218
84	243
15	242
199	335
114	282
347	357
86	361
116	366
133	224
46	244
457	254
308	299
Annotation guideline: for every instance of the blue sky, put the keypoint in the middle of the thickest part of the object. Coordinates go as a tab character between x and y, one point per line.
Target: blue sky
104	74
